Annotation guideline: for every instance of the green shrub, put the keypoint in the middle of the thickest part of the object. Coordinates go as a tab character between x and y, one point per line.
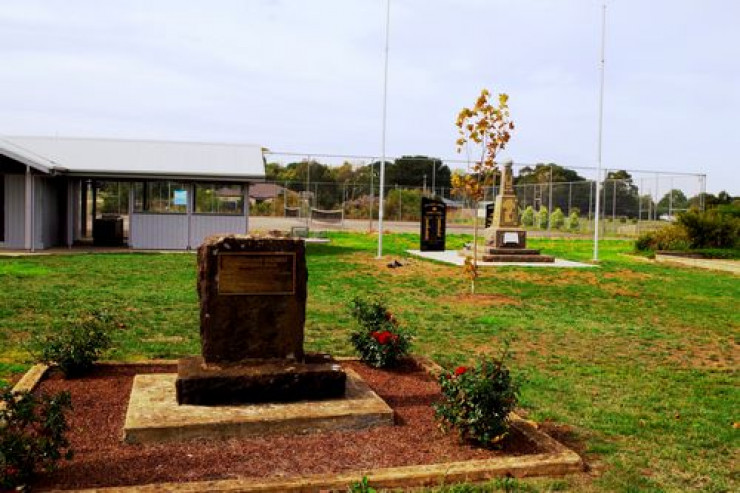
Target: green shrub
77	344
476	401
574	221
528	216
362	486
542	217
710	229
32	435
379	339
671	237
557	218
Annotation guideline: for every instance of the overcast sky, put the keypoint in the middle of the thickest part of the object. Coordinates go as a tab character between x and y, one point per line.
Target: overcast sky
307	76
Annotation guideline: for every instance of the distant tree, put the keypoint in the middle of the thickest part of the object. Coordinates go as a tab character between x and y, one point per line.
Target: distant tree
673	201
710	200
410	171
620	195
564	195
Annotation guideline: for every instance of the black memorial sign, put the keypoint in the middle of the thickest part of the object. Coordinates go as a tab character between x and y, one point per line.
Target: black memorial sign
489	214
433	224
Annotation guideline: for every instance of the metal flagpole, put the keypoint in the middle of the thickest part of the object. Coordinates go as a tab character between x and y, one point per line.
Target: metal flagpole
382	145
601	124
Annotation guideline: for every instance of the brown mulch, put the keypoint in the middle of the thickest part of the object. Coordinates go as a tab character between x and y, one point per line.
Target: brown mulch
101	459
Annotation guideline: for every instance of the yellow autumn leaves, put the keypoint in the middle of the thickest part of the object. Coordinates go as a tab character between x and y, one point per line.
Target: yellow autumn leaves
486	127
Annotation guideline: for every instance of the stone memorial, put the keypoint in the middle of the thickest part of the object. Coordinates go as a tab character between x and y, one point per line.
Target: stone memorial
252	293
505	239
433	225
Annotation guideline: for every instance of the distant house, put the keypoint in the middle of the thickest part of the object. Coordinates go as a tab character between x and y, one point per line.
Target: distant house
263	192
143	194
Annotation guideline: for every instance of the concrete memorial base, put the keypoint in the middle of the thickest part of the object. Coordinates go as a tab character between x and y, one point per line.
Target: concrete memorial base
489	253
153	414
202	384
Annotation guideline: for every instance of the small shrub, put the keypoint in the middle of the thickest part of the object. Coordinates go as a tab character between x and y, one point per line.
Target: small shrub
672	237
476	401
542	217
32	435
557	218
362	486
528	216
574	221
77	344
379	339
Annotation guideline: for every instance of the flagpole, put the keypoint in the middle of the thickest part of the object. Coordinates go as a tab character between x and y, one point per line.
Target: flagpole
601	125
385	106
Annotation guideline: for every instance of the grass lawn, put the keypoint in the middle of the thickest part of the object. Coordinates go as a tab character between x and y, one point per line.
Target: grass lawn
638	360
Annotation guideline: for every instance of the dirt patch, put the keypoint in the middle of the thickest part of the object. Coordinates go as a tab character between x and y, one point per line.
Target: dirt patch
717	355
481	299
408	267
557	277
627	275
100	402
620	291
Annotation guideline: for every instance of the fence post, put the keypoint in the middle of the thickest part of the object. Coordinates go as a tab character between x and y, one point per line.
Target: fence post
590	200
549	202
614	201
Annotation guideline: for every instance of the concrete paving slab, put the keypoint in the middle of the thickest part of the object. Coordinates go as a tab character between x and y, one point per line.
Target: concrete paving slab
153	414
454	258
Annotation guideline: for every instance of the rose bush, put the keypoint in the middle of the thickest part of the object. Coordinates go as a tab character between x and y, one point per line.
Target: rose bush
476	401
379	339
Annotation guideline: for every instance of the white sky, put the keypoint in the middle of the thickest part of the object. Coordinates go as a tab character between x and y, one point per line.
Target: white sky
307	76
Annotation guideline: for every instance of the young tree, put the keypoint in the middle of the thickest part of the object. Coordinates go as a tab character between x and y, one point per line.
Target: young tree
486	128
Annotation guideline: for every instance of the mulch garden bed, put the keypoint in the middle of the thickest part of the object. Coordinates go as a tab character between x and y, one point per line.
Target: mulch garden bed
101	459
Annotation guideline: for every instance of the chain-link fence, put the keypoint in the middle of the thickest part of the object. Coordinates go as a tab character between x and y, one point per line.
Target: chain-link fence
333	191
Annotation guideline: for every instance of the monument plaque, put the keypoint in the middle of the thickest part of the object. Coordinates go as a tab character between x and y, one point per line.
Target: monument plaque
489	214
433	225
250	273
252	292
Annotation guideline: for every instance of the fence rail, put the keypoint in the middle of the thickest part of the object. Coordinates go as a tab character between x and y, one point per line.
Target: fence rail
628	206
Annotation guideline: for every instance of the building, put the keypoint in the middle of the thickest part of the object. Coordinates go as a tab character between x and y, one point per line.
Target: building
143	194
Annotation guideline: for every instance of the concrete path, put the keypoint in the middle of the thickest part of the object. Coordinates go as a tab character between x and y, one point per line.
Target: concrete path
452	257
732	266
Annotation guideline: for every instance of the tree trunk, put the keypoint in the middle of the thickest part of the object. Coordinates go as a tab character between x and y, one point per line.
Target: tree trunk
475	248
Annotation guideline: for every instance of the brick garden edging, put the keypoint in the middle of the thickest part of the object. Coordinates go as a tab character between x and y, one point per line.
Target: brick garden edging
558	460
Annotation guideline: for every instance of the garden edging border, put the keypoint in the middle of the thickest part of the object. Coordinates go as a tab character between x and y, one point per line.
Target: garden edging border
559	460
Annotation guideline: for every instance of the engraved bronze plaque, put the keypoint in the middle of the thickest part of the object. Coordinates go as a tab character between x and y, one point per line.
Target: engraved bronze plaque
251	273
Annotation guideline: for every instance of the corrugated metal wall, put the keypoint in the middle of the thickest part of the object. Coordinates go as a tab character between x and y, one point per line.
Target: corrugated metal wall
15	211
50	220
159	231
206	225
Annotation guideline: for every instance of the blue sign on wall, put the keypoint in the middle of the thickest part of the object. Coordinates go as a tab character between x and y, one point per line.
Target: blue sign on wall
181	197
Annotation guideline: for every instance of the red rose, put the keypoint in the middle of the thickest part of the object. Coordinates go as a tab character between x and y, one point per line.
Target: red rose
384	337
460	370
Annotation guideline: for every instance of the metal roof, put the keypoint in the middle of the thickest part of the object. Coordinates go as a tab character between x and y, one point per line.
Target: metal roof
136	158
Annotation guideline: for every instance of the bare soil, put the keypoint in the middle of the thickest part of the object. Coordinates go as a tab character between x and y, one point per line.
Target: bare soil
101	459
481	299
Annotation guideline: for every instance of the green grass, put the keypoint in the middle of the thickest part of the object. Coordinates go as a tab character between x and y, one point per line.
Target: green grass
637	359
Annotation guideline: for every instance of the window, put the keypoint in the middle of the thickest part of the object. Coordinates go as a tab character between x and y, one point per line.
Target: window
219	198
163	197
